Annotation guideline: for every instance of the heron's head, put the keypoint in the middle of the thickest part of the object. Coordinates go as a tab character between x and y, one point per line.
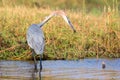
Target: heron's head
61	13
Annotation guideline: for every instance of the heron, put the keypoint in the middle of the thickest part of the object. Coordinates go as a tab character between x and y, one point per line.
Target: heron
35	36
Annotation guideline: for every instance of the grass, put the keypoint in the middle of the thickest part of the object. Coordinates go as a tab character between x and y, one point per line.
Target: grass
97	35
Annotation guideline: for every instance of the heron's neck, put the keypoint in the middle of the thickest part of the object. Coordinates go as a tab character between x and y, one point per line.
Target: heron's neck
45	20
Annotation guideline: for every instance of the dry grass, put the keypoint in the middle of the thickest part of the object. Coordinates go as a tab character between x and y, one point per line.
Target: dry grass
96	35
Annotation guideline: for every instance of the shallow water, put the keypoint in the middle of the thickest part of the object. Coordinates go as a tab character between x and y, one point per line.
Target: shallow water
84	69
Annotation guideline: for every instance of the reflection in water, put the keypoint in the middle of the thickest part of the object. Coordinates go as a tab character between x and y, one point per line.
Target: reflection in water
34	75
85	69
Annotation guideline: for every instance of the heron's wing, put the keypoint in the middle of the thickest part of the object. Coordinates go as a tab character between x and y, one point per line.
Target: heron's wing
35	39
38	44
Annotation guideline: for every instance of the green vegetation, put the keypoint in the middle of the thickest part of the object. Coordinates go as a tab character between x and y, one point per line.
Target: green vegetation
98	28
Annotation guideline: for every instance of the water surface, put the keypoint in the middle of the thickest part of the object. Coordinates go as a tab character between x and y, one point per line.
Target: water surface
84	69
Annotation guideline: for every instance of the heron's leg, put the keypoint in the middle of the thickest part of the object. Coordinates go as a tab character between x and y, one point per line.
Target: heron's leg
35	62
40	63
40	66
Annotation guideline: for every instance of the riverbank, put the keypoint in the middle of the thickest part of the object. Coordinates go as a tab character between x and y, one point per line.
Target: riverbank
96	36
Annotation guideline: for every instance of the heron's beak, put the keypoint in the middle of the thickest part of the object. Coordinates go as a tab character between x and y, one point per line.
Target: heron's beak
69	23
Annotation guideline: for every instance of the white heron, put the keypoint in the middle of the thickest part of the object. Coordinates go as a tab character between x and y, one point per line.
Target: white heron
35	36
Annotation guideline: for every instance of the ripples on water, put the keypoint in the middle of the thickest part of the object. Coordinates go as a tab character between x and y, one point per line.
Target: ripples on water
84	69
